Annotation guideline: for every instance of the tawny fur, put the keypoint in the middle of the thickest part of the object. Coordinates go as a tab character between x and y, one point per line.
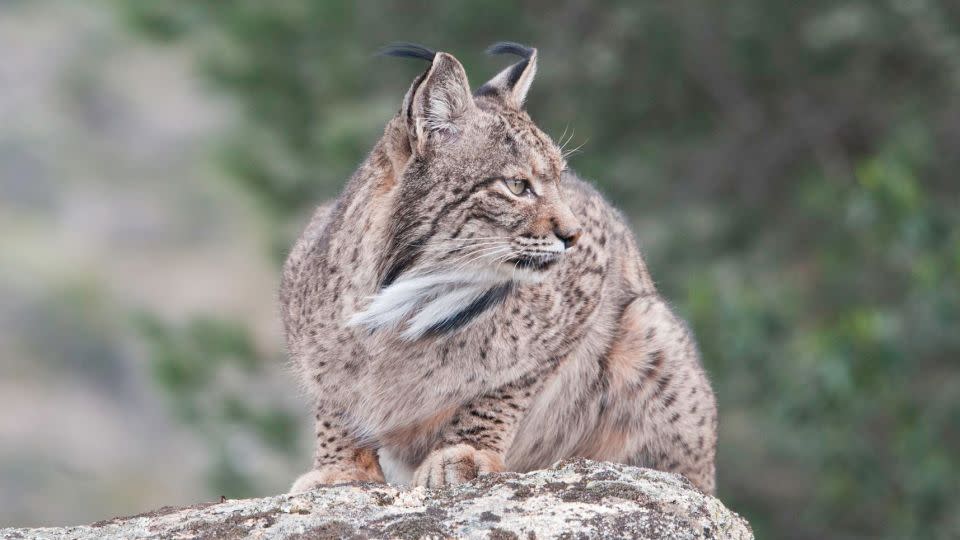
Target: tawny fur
456	328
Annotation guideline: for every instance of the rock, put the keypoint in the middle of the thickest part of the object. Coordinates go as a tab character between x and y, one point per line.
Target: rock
575	499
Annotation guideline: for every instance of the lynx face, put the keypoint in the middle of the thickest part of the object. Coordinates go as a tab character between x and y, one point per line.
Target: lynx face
479	205
504	210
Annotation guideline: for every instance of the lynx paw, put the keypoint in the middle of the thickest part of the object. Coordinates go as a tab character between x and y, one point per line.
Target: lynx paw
455	465
333	475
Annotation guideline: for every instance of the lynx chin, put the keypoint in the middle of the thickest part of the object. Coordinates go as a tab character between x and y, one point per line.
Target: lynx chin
468	305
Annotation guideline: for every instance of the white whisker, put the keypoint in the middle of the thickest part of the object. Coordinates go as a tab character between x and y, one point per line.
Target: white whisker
567	141
470	255
453	242
487	251
453	249
569	153
562	135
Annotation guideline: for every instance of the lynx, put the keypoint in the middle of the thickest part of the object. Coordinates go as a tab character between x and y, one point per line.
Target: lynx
468	305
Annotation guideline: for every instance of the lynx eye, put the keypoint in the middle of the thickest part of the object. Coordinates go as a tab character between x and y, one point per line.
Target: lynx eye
518	186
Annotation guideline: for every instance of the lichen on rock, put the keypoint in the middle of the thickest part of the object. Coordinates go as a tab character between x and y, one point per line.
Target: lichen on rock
574	499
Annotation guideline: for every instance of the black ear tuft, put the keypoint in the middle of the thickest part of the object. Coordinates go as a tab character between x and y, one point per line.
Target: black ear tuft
408	50
507	80
509	47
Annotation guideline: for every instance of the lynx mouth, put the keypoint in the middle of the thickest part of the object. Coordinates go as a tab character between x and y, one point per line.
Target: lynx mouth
537	262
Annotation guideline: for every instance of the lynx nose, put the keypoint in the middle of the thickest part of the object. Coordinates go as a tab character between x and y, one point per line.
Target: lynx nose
568	237
566	227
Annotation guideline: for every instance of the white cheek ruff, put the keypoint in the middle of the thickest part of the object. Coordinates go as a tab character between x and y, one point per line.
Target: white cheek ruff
444	307
418	304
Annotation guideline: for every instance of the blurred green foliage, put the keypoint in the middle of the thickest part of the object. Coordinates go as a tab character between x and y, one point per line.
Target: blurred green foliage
201	366
790	168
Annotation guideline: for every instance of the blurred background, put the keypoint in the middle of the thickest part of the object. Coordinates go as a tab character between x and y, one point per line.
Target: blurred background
790	169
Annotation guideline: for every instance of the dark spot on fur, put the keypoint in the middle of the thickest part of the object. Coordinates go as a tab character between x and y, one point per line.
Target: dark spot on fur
669	400
663	383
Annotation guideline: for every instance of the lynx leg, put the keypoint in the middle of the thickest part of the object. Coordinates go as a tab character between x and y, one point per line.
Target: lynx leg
476	439
657	408
338	457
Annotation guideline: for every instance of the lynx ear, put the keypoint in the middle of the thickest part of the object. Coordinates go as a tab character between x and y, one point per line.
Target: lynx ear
513	83
443	99
439	101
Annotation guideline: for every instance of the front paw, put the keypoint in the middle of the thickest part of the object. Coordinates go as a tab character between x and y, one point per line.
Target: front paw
455	465
333	475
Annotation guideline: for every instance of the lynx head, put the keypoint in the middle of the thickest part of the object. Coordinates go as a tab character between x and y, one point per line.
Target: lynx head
478	203
478	173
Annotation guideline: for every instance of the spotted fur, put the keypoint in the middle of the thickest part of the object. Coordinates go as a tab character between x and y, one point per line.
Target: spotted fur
448	325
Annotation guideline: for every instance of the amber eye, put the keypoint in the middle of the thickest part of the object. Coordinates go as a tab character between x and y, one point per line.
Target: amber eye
517	186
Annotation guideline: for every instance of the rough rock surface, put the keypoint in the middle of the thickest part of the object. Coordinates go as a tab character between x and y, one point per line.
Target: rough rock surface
575	499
